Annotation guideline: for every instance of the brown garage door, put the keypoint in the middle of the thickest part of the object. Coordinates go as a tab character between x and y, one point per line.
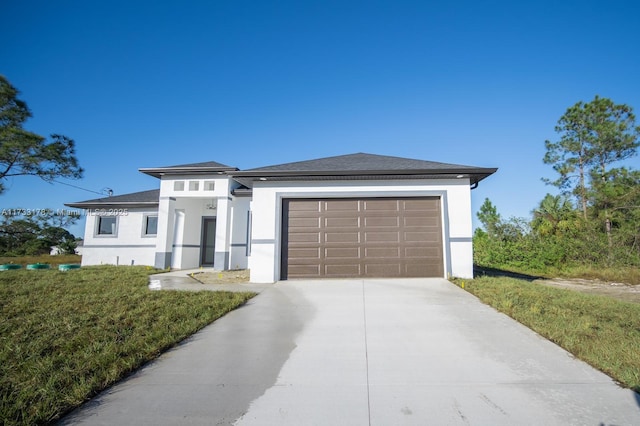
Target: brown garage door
369	237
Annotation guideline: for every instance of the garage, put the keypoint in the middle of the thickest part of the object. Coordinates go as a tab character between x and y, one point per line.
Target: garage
362	237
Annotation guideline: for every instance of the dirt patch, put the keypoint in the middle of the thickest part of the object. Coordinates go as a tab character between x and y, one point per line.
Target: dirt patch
222	277
620	291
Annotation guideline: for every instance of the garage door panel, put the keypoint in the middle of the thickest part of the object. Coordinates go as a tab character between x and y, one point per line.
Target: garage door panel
304	222
304	253
422	236
382	252
304	237
380	204
378	236
339	271
378	270
343	238
304	270
341	205
382	221
341	222
342	252
421	204
420	270
421	221
302	205
421	252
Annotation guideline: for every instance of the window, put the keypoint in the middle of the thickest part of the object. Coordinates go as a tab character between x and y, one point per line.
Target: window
150	225
194	185
178	185
106	225
209	185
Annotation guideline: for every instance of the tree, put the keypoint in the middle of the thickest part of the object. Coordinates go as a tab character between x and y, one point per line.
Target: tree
23	153
33	234
489	217
554	216
593	135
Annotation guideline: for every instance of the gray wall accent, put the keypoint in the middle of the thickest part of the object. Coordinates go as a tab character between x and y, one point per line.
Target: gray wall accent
247	252
263	241
163	260
461	239
119	246
221	260
187	245
238	245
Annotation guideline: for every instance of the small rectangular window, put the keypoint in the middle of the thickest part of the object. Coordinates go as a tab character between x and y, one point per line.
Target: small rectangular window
106	225
194	185
178	185
150	225
209	185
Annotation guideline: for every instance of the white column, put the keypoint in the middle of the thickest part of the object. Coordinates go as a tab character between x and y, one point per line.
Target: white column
164	237
223	234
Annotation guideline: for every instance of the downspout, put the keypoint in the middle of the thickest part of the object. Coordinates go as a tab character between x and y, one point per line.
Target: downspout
474	185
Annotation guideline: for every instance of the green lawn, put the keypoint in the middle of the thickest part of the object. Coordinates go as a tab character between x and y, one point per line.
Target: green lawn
601	331
67	335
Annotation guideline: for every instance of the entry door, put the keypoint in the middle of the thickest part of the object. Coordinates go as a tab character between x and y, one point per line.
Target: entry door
208	248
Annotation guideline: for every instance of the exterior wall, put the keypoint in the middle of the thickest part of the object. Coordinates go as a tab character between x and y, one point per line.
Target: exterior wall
240	238
129	245
266	208
180	226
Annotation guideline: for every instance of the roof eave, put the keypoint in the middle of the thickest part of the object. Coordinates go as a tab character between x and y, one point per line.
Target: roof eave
311	173
474	175
158	172
106	205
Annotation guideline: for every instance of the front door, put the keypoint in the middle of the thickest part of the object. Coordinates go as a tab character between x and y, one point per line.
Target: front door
208	248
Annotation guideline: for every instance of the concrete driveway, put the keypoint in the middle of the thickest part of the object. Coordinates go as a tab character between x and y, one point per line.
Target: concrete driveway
373	352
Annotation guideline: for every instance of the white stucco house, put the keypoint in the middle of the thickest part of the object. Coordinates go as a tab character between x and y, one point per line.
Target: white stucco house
356	215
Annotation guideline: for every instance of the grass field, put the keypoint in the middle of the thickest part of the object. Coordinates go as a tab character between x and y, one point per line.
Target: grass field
51	260
601	331
67	335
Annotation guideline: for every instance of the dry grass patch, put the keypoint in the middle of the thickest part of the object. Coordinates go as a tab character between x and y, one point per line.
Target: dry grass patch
222	277
54	261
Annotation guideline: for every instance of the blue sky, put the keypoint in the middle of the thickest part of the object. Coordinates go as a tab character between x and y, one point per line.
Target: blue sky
248	84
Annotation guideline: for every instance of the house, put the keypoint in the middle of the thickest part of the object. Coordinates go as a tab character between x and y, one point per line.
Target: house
56	250
357	215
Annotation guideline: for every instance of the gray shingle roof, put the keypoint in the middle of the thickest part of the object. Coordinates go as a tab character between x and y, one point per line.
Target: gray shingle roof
135	199
363	166
359	162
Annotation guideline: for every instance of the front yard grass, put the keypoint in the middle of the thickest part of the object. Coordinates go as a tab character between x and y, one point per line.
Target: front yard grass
65	336
599	330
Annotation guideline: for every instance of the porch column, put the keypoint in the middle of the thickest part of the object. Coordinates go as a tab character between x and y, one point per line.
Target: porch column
164	236
223	234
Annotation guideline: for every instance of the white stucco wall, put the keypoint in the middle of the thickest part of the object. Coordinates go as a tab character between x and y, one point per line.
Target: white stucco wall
266	210
181	229
128	246
240	238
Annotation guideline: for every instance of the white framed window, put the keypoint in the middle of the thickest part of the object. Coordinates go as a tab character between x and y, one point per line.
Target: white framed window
150	226
107	226
194	185
178	185
209	185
